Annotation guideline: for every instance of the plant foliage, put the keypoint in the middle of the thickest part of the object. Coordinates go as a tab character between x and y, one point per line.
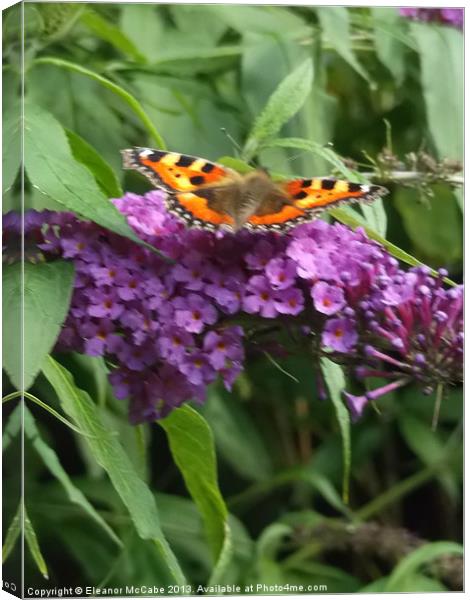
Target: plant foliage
269	485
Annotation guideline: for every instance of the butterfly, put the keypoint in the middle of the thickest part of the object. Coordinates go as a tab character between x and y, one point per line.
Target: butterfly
207	195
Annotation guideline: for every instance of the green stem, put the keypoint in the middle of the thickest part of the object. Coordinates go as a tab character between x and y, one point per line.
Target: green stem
262	488
437	406
119	91
408	485
395	493
306	553
413	176
278	366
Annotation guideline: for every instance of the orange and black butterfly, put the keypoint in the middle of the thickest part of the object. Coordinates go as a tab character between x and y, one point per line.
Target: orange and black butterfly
210	196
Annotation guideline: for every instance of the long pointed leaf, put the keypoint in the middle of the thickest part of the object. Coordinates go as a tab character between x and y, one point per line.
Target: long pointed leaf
12	534
334	380
283	104
102	171
12	427
412	562
109	453
33	545
441	56
51	167
335	23
109	32
51	461
192	447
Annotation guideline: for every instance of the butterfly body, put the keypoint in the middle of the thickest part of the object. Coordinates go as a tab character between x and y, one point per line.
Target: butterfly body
210	196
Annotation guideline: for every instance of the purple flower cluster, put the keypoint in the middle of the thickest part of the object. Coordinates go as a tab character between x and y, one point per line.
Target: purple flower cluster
415	332
169	329
447	16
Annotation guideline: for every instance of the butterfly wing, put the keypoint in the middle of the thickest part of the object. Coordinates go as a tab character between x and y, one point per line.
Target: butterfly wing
208	208
198	190
318	194
172	171
301	200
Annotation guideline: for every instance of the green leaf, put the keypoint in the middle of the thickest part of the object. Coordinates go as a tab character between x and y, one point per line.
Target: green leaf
225	558
271	539
105	30
33	545
98	116
388	30
324	486
192	446
12	535
415	560
93	371
317	149
235	163
335	24
51	461
52	168
258	79
199	23
266	568
270	20
436	228
236	436
441	56
116	89
11	139
429	448
421	439
197	60
335	383
375	216
84	153
283	104
109	453
42	298
142	24
183	526
13	427
420	583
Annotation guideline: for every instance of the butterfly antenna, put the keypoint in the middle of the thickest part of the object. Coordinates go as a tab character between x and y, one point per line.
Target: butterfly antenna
238	148
295	156
233	141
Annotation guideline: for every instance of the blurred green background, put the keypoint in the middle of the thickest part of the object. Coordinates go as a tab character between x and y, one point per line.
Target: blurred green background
105	77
